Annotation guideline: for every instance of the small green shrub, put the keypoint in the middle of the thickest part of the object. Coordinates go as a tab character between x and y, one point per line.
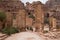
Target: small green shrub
31	16
10	30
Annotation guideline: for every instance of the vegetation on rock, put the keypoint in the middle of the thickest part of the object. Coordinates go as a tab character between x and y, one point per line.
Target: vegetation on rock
10	30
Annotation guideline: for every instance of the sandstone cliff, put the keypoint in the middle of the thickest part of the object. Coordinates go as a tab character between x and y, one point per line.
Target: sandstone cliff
52	3
54	9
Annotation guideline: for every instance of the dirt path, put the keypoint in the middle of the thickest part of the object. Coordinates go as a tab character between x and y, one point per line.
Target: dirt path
34	36
25	36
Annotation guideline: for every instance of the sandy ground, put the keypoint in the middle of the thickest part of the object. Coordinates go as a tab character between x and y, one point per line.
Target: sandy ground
25	36
31	36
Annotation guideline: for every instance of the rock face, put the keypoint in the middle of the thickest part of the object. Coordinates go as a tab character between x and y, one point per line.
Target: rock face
52	3
36	9
39	15
54	9
11	7
31	15
21	18
18	15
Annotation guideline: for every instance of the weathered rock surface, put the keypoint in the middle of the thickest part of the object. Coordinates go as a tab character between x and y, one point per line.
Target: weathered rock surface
54	9
52	3
36	9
